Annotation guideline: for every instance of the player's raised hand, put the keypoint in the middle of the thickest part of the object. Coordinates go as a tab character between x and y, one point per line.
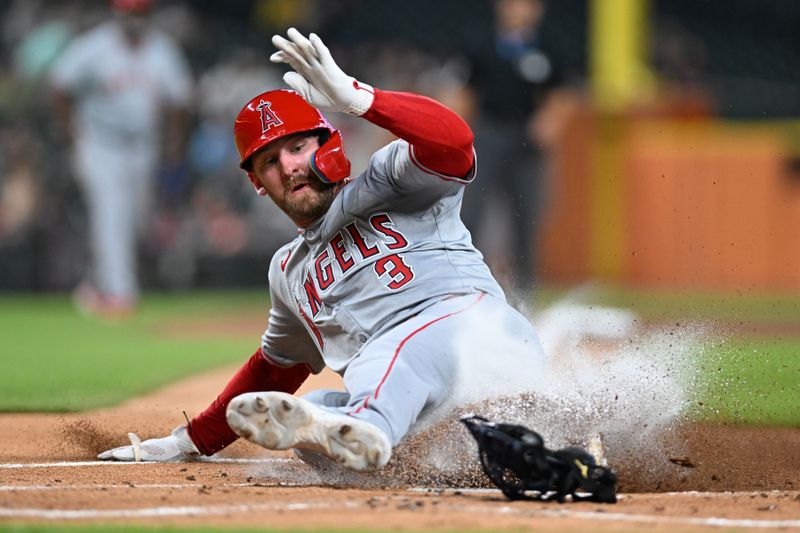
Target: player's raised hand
317	77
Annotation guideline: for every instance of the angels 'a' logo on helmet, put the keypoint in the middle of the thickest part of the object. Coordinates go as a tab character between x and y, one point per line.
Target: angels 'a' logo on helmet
268	117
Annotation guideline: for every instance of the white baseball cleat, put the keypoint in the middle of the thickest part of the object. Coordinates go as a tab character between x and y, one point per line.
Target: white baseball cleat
279	421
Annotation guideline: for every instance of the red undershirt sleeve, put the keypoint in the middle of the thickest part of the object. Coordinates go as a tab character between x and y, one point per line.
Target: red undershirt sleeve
209	430
442	141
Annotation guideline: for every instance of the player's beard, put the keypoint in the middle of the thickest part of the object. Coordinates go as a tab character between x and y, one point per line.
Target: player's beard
310	204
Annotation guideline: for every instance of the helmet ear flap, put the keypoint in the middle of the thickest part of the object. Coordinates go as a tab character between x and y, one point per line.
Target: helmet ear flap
329	161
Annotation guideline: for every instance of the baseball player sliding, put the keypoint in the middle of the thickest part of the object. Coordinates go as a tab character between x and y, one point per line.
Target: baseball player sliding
377	286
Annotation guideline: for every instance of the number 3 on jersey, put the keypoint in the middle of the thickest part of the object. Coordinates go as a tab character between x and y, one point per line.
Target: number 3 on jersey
396	268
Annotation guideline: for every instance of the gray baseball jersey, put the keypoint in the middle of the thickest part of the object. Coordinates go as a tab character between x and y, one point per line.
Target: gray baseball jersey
391	245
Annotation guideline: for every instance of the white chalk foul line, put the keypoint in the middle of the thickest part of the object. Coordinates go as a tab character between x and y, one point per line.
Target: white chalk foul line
57	514
67	514
214	485
70	464
145	486
77	514
638	518
278	484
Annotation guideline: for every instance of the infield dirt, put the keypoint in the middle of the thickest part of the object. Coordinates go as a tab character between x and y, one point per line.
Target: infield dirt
761	464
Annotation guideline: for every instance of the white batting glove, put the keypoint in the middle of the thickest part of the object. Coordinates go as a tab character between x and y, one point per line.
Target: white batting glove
317	77
176	447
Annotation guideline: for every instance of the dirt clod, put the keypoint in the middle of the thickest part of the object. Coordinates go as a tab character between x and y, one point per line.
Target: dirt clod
682	460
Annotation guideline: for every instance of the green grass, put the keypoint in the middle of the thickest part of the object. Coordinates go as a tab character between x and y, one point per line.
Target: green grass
751	381
54	359
746	307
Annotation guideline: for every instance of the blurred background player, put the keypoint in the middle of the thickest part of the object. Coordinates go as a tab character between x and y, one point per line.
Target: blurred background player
512	75
114	85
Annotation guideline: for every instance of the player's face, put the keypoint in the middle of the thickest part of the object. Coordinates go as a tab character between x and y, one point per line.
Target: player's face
282	168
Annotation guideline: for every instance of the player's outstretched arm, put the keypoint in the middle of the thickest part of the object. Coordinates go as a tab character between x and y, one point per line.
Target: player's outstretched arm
175	447
441	139
209	432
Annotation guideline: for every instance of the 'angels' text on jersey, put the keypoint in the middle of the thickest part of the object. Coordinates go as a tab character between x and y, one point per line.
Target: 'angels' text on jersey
349	246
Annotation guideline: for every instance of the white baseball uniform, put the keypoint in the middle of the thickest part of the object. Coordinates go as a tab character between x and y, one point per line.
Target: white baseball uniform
119	93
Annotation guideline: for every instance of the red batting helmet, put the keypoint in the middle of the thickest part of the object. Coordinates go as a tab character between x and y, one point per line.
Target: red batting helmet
275	114
132	6
270	116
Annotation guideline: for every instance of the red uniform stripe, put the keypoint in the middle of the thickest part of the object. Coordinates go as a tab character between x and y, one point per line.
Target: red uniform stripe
285	260
400	347
313	327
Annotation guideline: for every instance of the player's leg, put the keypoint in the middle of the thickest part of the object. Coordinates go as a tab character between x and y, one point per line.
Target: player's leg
121	236
328	398
437	359
132	220
392	380
103	177
92	197
410	370
143	177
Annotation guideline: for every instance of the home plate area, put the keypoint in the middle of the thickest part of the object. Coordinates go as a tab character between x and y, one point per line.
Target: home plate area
282	492
706	477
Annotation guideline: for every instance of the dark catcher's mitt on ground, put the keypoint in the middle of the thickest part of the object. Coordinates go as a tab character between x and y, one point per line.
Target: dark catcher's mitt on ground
517	461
